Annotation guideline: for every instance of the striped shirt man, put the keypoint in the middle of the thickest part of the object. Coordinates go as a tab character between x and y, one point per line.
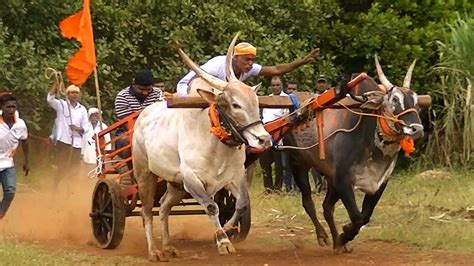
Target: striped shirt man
127	103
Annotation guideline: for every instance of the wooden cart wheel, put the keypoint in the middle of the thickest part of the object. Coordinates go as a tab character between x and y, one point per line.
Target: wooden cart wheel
108	214
226	203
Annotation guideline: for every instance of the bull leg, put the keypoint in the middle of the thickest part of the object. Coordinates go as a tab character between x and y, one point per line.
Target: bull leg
368	206
147	190
328	205
344	190
302	181
240	193
172	197
194	186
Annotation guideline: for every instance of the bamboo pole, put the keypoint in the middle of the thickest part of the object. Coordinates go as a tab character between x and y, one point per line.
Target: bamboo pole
97	94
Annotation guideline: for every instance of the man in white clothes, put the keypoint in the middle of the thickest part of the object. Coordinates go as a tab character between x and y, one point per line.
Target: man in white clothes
272	155
69	126
89	146
12	131
244	66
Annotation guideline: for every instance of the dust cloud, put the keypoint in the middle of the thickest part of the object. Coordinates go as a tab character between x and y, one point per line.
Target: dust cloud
60	215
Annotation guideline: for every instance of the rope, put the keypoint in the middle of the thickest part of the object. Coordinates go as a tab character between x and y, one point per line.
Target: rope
50	72
326	138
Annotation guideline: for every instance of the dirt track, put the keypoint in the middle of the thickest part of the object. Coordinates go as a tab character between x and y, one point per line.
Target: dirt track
60	221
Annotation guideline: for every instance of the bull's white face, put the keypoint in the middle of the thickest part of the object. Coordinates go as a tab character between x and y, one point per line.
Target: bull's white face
240	103
397	101
402	102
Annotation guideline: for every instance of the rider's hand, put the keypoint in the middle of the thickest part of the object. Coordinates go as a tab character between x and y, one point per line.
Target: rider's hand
310	57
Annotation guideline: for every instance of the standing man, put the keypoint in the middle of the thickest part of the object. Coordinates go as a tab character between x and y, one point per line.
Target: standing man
244	66
12	131
291	87
320	86
69	126
288	179
272	155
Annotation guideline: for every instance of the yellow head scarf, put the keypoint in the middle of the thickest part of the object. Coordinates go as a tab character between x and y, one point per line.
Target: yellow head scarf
245	48
73	88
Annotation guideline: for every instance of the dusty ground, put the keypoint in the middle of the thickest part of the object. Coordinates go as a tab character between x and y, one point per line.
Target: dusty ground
59	220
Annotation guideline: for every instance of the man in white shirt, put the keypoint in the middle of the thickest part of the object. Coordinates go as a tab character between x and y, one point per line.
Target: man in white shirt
69	126
12	131
244	66
272	155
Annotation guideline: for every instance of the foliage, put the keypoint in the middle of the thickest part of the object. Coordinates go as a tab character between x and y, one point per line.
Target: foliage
454	131
131	35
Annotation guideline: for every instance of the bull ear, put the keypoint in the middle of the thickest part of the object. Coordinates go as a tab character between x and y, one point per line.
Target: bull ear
209	96
257	87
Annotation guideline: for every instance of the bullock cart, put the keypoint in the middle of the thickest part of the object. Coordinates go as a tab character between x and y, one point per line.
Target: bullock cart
116	196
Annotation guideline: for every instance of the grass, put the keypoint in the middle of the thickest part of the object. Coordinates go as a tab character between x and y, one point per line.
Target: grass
16	253
426	210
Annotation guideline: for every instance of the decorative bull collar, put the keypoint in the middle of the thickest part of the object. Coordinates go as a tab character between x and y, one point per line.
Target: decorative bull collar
226	129
387	126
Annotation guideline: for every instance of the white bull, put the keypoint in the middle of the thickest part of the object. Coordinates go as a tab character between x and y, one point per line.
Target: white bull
176	144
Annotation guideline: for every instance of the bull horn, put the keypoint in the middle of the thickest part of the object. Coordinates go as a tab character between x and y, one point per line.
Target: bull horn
381	75
213	81
407	81
229	70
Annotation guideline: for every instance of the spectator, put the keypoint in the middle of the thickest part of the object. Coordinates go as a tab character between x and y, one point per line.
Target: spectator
13	130
69	127
291	87
272	155
321	86
244	66
288	178
89	146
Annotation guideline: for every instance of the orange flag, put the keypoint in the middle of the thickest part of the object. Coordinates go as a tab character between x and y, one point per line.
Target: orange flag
79	27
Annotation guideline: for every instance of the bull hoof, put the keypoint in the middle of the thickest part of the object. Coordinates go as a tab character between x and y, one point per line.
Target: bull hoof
157	256
323	241
170	251
225	248
340	248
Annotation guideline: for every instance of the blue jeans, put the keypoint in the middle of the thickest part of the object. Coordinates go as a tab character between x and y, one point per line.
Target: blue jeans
288	179
8	179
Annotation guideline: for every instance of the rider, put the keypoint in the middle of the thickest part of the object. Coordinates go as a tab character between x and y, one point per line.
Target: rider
244	66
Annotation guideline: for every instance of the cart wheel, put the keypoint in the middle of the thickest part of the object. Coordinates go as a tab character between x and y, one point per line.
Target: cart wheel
108	214
226	203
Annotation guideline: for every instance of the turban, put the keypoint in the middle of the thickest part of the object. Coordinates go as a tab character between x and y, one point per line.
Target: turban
92	110
245	48
73	88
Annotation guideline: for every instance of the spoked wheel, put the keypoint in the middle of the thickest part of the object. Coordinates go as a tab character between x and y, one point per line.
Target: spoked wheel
108	214
226	203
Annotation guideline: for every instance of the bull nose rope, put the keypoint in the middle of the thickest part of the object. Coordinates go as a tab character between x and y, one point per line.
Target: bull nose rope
406	143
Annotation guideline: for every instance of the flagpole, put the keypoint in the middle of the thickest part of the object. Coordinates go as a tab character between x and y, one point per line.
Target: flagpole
97	93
